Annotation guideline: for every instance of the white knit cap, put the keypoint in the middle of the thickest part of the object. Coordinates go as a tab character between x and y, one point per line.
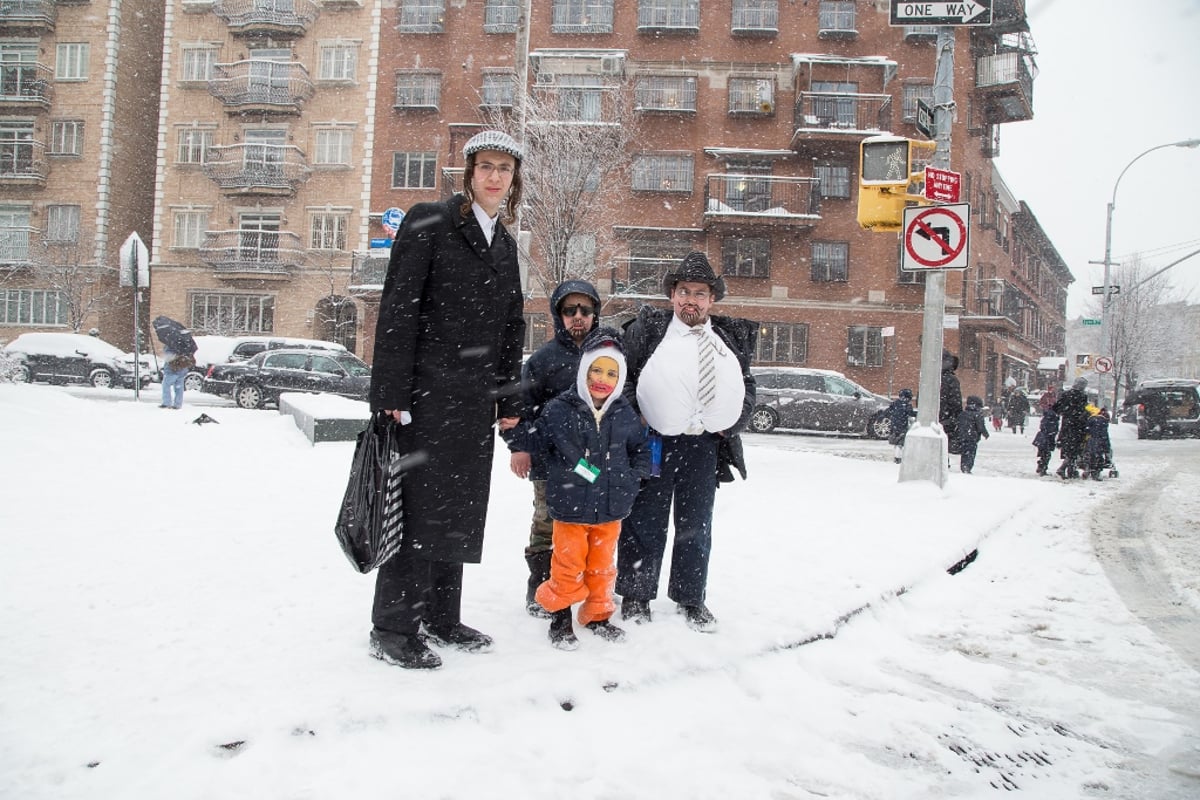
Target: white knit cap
493	140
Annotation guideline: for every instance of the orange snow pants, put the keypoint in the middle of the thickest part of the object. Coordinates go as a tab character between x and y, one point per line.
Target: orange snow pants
583	568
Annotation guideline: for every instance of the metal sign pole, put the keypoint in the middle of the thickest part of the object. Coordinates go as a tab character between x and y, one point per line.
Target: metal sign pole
137	355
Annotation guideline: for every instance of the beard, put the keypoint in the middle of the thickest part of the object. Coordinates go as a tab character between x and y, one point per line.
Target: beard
692	316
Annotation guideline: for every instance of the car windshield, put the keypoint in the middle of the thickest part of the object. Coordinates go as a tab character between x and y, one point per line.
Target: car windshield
353	365
835	385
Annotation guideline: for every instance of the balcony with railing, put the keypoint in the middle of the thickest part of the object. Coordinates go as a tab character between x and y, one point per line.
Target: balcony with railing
367	270
261	86
280	19
1008	16
27	17
253	253
992	305
25	86
1004	84
22	163
257	169
824	115
764	199
755	18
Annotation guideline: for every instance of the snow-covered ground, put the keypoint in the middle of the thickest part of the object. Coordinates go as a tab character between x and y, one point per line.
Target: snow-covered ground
178	621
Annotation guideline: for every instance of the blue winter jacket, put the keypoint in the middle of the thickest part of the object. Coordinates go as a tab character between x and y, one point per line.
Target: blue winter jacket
1047	430
617	446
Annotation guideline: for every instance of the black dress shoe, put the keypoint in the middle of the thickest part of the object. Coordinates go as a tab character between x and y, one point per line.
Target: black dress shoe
403	650
634	610
460	637
606	630
699	618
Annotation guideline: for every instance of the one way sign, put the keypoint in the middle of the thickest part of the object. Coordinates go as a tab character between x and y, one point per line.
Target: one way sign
975	13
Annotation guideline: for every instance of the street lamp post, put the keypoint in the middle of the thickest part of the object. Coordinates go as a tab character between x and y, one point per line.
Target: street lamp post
1107	294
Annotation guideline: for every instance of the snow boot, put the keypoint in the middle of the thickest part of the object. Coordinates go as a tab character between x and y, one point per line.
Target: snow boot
606	630
562	635
403	650
539	573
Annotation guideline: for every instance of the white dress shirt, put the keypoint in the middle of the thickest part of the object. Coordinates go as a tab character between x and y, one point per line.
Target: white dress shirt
667	389
487	223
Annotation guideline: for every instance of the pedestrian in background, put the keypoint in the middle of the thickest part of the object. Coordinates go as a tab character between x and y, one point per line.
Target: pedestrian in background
970	429
1099	446
1017	409
175	370
899	412
950	403
1073	415
1047	432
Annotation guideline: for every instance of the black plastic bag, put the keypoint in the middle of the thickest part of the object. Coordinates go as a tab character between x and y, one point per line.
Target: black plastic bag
370	523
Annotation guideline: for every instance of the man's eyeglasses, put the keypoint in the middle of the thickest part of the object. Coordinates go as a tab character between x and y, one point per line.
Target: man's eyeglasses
699	294
570	311
487	168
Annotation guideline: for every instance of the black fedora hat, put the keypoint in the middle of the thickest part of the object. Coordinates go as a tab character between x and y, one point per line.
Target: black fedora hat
695	269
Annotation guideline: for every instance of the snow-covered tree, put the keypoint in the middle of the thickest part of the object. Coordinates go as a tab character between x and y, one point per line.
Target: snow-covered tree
64	262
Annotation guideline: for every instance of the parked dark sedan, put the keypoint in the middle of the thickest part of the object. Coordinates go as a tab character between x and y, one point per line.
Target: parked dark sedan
816	400
259	381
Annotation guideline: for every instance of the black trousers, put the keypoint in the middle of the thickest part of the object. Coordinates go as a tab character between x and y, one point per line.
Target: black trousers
411	590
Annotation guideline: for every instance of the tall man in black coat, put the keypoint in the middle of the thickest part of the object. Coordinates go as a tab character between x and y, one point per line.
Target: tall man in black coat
447	365
1072	409
551	370
699	421
950	402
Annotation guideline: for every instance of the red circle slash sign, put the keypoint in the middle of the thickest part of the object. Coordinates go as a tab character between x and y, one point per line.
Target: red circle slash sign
938	232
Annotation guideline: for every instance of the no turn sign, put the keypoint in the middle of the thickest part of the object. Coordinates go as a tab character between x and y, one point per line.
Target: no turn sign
936	237
1103	364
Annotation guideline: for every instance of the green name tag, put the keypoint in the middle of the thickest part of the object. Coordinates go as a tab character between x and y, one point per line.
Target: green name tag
586	471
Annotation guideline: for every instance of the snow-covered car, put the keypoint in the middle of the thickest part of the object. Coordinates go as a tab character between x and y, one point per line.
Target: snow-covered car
213	350
75	358
816	400
259	381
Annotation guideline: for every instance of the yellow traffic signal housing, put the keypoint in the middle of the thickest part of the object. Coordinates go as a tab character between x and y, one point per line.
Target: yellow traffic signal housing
891	175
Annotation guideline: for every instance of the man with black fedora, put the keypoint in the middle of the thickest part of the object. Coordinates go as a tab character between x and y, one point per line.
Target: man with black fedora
689	378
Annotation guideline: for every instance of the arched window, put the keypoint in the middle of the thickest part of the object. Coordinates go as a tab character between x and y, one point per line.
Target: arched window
337	321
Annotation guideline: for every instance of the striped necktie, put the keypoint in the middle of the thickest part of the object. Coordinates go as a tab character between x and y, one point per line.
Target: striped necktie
706	390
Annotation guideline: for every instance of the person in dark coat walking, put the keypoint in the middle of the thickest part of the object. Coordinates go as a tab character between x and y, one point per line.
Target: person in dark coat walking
1047	433
1017	409
899	412
550	371
698	407
446	366
595	457
950	403
969	429
1071	408
1099	446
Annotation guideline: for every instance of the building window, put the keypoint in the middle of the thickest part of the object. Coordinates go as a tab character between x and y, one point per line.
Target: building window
836	16
337	62
500	16
16	148
912	93
71	61
227	314
666	93
189	228
864	347
746	257
66	137
498	89
414	170
194	144
663	173
62	224
328	230
755	15
333	146
580	98
669	14
782	343
536	330
582	16
830	261
14	234
422	16
751	96
31	306
833	180
581	254
418	89
198	63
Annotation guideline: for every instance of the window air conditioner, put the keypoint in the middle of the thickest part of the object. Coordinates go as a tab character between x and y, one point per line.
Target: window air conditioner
611	65
544	79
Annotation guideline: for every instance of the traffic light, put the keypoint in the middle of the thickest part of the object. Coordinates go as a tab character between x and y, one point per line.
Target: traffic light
890	173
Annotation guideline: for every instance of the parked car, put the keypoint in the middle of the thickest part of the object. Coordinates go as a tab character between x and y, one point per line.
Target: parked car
259	381
1167	407
212	350
75	358
816	400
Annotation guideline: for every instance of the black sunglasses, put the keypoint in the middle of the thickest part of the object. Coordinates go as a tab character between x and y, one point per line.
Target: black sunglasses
570	311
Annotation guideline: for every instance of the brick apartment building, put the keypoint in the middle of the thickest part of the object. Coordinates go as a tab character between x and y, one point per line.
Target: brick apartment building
78	114
287	127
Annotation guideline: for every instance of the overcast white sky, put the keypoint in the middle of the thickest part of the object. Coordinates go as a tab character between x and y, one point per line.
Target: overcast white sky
1115	79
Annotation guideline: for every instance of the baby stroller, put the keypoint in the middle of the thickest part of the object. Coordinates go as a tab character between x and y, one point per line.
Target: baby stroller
1097	449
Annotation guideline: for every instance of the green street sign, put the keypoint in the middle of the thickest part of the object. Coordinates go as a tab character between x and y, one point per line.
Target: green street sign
1087	321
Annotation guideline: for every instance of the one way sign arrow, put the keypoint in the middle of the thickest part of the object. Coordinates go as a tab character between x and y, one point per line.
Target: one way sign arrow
978	12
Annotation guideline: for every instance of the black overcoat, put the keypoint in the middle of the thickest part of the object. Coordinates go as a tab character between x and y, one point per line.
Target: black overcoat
448	350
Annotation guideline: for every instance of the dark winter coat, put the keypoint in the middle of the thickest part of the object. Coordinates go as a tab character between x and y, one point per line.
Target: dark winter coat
950	403
448	350
1047	430
617	446
1071	407
970	427
1017	409
899	413
1098	443
549	372
646	331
